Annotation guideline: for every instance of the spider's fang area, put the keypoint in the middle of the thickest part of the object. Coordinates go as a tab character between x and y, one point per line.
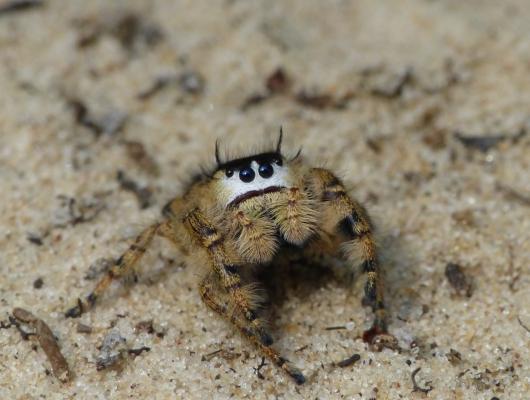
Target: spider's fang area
253	193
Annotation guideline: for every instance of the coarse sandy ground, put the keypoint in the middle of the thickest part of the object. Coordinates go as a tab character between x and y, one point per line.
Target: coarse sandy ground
385	93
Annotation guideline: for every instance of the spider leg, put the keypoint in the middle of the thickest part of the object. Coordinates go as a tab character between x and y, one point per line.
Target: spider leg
213	300
242	298
345	215
122	267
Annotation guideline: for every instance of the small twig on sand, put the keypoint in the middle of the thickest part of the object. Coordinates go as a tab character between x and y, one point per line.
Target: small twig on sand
259	367
209	356
48	343
417	388
334	328
348	361
523	325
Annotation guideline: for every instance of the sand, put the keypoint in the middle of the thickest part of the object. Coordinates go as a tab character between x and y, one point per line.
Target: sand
422	107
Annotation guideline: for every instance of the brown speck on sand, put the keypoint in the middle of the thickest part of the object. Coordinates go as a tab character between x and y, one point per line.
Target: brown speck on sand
12	6
143	194
458	280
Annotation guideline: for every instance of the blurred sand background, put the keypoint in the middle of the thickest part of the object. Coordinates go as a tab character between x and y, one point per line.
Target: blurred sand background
422	106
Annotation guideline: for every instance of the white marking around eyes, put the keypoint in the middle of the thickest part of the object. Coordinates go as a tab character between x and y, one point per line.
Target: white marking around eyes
235	187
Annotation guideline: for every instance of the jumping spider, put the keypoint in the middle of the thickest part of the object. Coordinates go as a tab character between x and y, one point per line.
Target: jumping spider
243	214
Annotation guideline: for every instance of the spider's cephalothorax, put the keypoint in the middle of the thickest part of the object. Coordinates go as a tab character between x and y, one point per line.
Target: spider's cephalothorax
240	215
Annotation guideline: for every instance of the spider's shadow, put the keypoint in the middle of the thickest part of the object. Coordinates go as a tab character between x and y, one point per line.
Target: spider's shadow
302	277
292	277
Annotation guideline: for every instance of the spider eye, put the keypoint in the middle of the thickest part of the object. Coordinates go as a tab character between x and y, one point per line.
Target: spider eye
266	170
279	161
229	173
247	174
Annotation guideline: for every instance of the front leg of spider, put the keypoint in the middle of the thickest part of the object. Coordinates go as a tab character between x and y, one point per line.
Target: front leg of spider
351	220
240	297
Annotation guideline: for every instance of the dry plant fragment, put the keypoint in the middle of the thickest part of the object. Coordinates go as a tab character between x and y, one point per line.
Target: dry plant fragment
257	369
484	143
48	343
417	388
137	152
143	194
523	325
112	350
108	123
348	361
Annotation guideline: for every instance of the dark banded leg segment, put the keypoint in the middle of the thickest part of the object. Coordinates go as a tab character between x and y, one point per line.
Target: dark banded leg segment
123	266
212	299
357	227
244	298
353	221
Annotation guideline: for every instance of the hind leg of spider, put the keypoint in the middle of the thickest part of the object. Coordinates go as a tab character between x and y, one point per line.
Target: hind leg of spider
123	266
211	296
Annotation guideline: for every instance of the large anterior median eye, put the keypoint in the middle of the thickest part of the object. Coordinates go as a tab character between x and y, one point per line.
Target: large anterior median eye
247	174
266	170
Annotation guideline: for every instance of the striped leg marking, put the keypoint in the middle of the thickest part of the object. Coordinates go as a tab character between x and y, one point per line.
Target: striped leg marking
243	297
208	294
122	267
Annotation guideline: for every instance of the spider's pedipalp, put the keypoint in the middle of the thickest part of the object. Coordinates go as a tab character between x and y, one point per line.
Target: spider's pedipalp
256	237
295	215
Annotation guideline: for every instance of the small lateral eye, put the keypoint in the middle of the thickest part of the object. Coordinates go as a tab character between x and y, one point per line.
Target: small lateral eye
247	174
279	162
229	173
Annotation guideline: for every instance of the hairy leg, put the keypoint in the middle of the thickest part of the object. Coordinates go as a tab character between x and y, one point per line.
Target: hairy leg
346	216
123	266
211	297
243	297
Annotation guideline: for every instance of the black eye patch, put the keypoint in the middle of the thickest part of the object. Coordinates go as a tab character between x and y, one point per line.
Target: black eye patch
241	163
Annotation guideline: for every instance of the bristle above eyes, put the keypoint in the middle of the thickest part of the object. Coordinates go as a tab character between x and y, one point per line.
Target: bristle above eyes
225	154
